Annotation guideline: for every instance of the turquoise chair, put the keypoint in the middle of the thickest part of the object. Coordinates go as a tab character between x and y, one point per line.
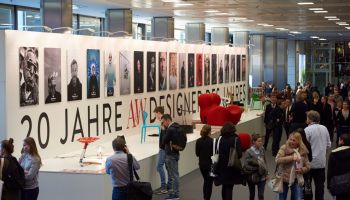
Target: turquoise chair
145	126
256	99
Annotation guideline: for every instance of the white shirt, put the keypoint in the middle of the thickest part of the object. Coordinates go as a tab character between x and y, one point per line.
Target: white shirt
318	137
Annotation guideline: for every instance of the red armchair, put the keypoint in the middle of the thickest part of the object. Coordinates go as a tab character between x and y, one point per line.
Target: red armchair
212	113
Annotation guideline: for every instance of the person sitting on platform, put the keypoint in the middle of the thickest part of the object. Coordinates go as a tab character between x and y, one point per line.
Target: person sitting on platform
117	166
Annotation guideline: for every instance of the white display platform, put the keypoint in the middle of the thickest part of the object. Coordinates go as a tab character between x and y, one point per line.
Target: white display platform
63	178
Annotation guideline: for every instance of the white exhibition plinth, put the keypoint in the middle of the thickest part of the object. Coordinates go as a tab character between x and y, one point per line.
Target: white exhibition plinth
63	178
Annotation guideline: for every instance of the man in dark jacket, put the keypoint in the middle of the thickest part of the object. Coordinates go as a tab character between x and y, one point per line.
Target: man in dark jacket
171	156
268	121
339	163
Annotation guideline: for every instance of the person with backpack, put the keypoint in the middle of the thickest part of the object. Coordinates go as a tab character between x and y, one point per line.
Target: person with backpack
31	162
255	168
204	151
12	172
175	140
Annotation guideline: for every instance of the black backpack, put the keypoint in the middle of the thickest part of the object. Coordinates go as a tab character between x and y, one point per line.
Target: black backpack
14	175
179	143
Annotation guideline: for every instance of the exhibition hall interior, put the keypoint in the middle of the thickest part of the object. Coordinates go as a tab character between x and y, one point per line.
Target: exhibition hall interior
79	75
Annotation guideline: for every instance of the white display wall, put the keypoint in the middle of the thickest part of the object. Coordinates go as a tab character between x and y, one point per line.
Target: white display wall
57	125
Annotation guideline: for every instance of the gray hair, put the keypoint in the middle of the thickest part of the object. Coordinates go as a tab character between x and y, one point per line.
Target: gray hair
314	116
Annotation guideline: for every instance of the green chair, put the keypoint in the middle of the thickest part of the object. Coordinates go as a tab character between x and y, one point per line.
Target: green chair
256	99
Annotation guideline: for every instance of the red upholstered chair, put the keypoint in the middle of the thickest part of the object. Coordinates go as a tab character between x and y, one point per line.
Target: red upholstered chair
212	113
246	141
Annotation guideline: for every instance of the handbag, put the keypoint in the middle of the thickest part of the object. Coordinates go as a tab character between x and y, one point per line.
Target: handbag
233	160
276	182
137	190
340	184
214	158
1	181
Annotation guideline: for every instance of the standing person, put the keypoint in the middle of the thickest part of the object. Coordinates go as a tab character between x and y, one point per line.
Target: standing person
204	151
318	137
31	162
255	165
159	112
172	156
117	166
277	117
292	163
327	116
11	168
339	163
228	176
268	120
343	120
297	113
286	125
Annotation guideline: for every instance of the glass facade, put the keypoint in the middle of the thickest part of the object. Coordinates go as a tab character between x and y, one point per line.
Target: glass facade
6	17
89	23
29	19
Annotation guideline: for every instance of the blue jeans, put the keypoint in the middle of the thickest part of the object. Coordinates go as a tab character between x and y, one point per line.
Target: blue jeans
171	163
295	188
160	167
119	193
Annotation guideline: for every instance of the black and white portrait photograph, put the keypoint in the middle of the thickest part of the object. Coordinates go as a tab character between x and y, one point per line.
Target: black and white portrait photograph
138	72
227	68
124	72
74	74
244	67
233	68
221	68
162	71
238	67
214	69
190	70
52	75
182	70
28	76
206	69
110	79
151	71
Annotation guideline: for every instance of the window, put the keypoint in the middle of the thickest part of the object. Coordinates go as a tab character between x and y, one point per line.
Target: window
87	23
180	35
29	19
6	17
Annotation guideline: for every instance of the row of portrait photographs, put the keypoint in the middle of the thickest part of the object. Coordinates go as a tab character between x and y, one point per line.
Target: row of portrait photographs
202	69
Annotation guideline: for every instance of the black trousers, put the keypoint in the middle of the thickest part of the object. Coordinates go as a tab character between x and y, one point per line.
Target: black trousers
267	136
226	192
261	189
277	134
208	182
31	194
319	177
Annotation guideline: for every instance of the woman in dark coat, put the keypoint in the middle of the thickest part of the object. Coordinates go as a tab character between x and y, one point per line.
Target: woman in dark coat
327	116
339	163
204	151
228	176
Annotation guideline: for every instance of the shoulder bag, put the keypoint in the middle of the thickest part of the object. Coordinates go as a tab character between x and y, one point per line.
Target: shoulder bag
340	184
276	182
233	160
136	189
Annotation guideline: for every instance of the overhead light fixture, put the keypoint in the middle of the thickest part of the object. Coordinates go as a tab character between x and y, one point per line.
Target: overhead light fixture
282	29
183	4
262	24
344	24
322	39
222	13
211	11
315	8
169	1
330	17
340	22
239	18
333	19
295	32
305	3
347	27
320	11
268	25
314	37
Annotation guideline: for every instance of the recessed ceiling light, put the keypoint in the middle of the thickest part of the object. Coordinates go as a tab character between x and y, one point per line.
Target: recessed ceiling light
268	25
183	4
305	3
314	37
347	27
222	13
320	11
343	24
282	29
262	24
295	32
340	22
333	19
330	17
322	39
211	11
169	1
315	8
